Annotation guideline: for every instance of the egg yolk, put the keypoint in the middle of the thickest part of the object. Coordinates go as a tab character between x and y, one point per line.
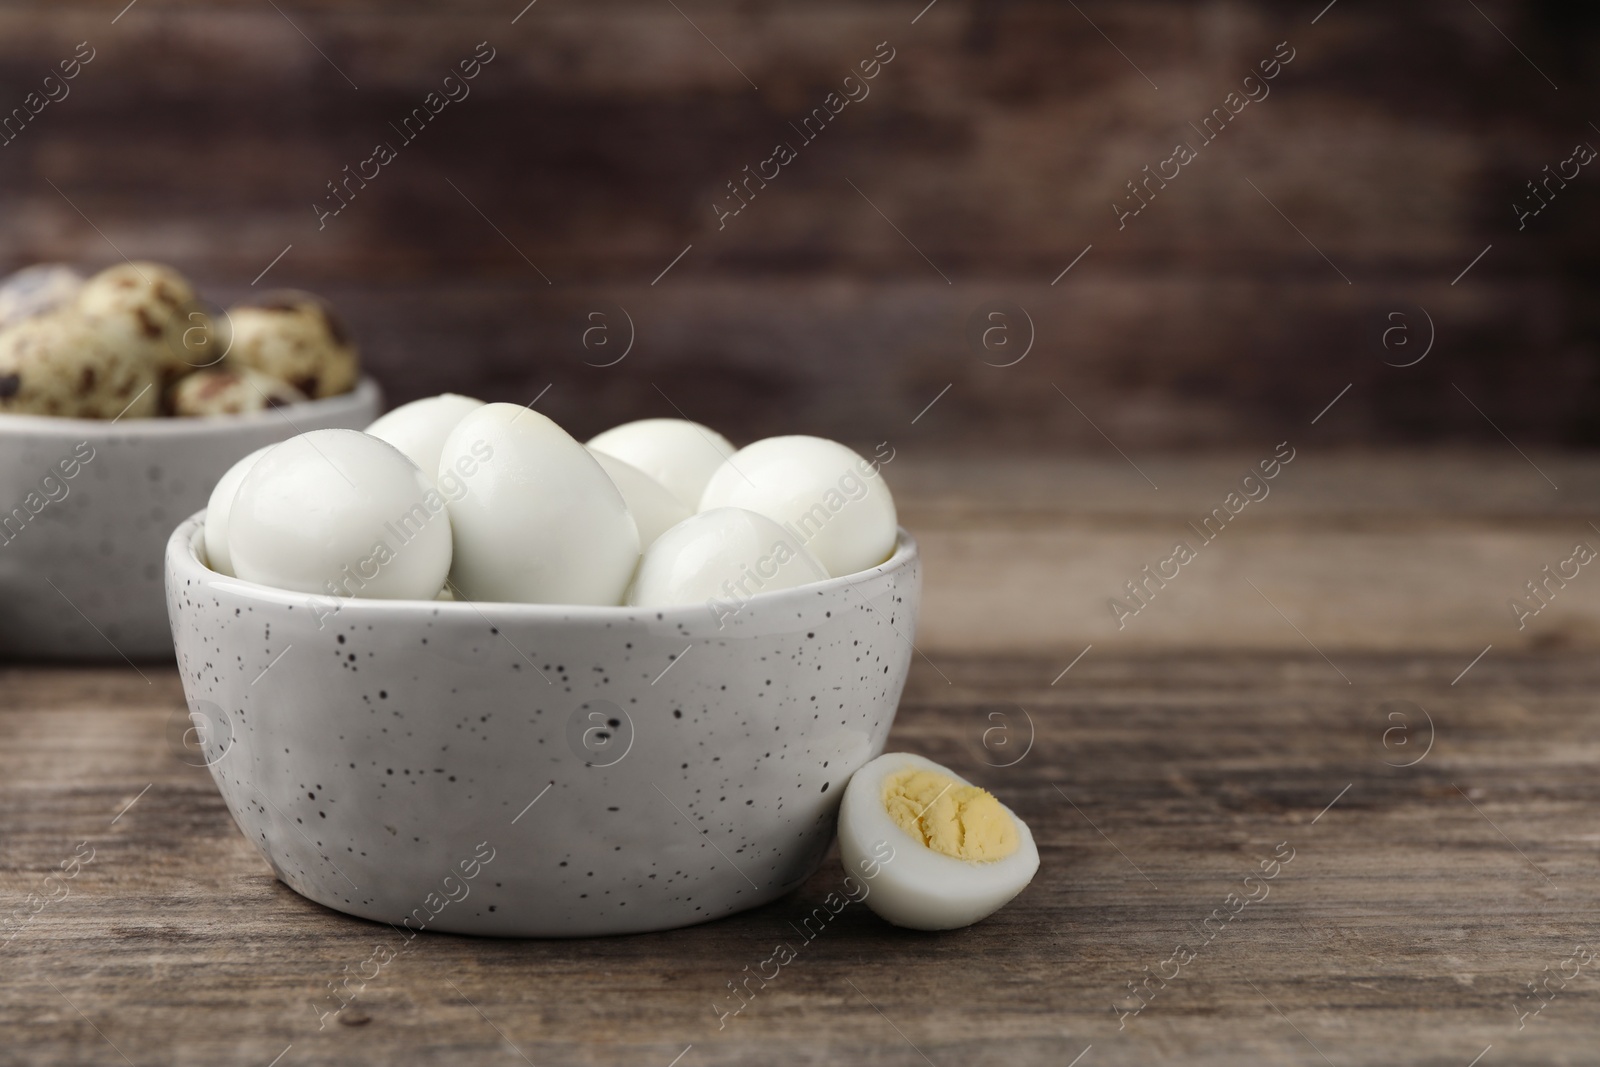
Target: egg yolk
958	820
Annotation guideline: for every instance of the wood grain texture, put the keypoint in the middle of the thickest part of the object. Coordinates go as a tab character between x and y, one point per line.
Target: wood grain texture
1365	551
596	143
1405	929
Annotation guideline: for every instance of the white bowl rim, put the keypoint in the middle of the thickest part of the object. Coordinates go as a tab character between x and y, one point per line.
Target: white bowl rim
510	611
365	392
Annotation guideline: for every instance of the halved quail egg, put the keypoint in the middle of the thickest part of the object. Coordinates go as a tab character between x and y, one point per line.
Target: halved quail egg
937	851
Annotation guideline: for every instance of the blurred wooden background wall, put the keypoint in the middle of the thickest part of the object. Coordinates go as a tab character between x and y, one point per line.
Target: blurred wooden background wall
592	148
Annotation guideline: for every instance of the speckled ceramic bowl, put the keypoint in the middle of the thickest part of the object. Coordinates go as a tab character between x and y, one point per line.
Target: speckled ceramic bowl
539	770
80	562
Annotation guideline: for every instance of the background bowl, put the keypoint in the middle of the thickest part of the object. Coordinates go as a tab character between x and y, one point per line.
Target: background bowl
539	770
90	559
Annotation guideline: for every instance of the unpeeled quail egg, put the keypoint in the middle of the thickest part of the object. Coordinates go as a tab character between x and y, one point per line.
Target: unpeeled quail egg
220	506
938	852
721	558
229	391
340	513
537	518
680	454
37	289
64	363
297	337
153	308
654	509
832	500
419	428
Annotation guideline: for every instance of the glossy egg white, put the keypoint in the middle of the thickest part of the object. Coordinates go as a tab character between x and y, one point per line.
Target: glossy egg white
340	513
917	887
537	520
834	501
419	428
220	506
680	454
721	558
655	510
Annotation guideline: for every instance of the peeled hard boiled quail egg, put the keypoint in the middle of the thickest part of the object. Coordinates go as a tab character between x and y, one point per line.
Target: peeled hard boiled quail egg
654	509
537	519
954	853
721	558
220	506
679	454
834	501
340	513
419	428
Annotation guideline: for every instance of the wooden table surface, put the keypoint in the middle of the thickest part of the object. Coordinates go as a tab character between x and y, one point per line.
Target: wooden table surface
1441	826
